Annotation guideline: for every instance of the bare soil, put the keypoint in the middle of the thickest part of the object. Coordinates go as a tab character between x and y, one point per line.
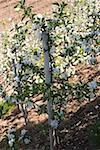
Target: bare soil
7	12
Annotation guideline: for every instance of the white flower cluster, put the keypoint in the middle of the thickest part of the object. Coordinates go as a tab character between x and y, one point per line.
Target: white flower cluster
23	136
18	66
27	62
38	80
56	70
7	98
11	136
54	124
23	132
93	84
13	100
17	79
29	105
39	35
92	60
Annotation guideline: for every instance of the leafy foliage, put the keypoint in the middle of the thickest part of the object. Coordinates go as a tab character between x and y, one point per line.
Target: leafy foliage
5	107
73	39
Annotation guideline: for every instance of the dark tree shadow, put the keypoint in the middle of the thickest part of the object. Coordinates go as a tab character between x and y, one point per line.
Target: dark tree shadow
74	133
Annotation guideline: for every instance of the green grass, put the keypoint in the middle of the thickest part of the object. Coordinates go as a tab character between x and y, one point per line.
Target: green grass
5	108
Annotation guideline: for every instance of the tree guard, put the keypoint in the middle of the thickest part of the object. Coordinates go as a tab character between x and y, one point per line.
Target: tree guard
48	80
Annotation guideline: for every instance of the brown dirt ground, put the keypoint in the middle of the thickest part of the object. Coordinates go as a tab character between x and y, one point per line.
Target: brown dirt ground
7	12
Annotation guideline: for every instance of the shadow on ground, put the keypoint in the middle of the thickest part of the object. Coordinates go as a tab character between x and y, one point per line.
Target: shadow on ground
79	132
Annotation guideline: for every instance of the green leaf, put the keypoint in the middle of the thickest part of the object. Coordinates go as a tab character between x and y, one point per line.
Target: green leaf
57	4
22	2
16	6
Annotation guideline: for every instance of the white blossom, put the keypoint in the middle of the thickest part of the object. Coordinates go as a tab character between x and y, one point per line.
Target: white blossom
92	96
23	132
92	60
13	129
26	141
18	66
11	142
17	9
54	124
36	26
17	79
63	76
10	19
52	50
24	78
29	105
35	57
13	100
55	8
20	138
56	70
38	79
7	98
87	49
11	136
38	52
96	107
27	62
39	35
92	84
39	16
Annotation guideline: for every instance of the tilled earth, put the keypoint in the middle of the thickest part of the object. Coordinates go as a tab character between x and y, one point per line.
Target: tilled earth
7	12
